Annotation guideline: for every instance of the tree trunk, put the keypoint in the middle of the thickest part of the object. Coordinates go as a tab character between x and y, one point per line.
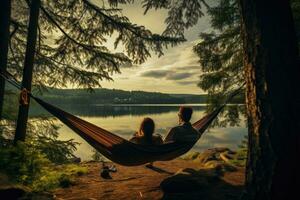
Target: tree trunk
272	74
5	7
28	67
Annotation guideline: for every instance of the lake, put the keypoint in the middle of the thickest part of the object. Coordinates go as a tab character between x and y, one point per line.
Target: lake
124	120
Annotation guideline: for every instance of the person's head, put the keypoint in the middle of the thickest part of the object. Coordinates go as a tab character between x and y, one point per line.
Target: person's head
185	114
147	128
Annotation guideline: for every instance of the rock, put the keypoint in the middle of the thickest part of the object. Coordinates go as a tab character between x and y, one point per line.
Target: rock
215	154
179	183
212	164
207	155
197	173
220	149
228	167
220	167
40	196
13	192
227	156
189	180
191	156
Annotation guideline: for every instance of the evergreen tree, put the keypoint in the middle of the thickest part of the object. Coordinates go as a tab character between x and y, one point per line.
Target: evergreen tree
272	73
71	39
221	58
71	44
28	68
271	66
5	8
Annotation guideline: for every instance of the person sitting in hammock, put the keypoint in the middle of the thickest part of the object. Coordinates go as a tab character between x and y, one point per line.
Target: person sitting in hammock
185	131
145	134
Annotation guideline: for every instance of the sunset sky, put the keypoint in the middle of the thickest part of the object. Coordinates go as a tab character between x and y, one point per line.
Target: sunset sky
176	72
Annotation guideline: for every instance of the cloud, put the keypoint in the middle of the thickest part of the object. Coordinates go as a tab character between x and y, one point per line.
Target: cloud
155	73
170	74
189	68
187	82
177	70
178	76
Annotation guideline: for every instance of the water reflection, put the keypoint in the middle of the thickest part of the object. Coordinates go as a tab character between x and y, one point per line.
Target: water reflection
124	120
103	110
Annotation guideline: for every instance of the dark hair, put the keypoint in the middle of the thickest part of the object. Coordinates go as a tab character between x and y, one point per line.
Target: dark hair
147	128
185	113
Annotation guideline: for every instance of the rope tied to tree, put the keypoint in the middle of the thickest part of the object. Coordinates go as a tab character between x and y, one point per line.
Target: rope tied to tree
24	97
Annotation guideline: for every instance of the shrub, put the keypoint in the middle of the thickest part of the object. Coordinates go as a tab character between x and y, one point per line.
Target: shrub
240	157
27	165
22	162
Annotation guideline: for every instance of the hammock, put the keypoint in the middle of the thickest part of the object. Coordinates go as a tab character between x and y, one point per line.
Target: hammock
120	150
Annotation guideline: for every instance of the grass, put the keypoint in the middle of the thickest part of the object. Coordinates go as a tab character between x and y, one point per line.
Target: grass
58	176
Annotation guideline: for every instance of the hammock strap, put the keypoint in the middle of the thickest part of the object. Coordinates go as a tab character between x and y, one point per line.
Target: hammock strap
96	132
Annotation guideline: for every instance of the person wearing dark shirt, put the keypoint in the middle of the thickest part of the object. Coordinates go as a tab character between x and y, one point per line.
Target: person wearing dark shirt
184	132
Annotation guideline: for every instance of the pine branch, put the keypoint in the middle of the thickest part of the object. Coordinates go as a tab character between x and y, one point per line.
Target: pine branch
105	55
16	27
137	30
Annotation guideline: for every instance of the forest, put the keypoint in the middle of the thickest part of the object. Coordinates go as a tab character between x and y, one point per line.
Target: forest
107	96
56	53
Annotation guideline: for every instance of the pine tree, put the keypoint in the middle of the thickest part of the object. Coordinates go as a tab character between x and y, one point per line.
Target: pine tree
71	39
272	73
221	59
28	68
5	7
271	67
71	46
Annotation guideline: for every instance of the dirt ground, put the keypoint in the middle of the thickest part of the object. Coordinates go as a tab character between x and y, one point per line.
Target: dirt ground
143	183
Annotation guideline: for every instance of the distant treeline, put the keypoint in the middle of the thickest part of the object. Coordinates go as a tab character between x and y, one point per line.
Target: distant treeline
109	110
112	96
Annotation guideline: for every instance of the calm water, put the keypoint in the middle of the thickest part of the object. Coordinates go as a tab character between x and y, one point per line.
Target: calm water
124	120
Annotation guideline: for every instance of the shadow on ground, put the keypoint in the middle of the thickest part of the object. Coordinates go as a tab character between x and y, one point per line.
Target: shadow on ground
208	184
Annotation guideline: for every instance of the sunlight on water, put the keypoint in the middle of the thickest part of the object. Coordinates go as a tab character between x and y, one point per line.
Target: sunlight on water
126	123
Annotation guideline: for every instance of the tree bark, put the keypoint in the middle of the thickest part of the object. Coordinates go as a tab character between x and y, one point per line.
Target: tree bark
5	9
28	68
272	74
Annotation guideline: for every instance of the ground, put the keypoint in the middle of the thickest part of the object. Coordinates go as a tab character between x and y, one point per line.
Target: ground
143	183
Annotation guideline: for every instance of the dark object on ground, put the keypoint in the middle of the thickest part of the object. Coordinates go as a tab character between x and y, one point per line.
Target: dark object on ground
15	192
12	193
105	172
